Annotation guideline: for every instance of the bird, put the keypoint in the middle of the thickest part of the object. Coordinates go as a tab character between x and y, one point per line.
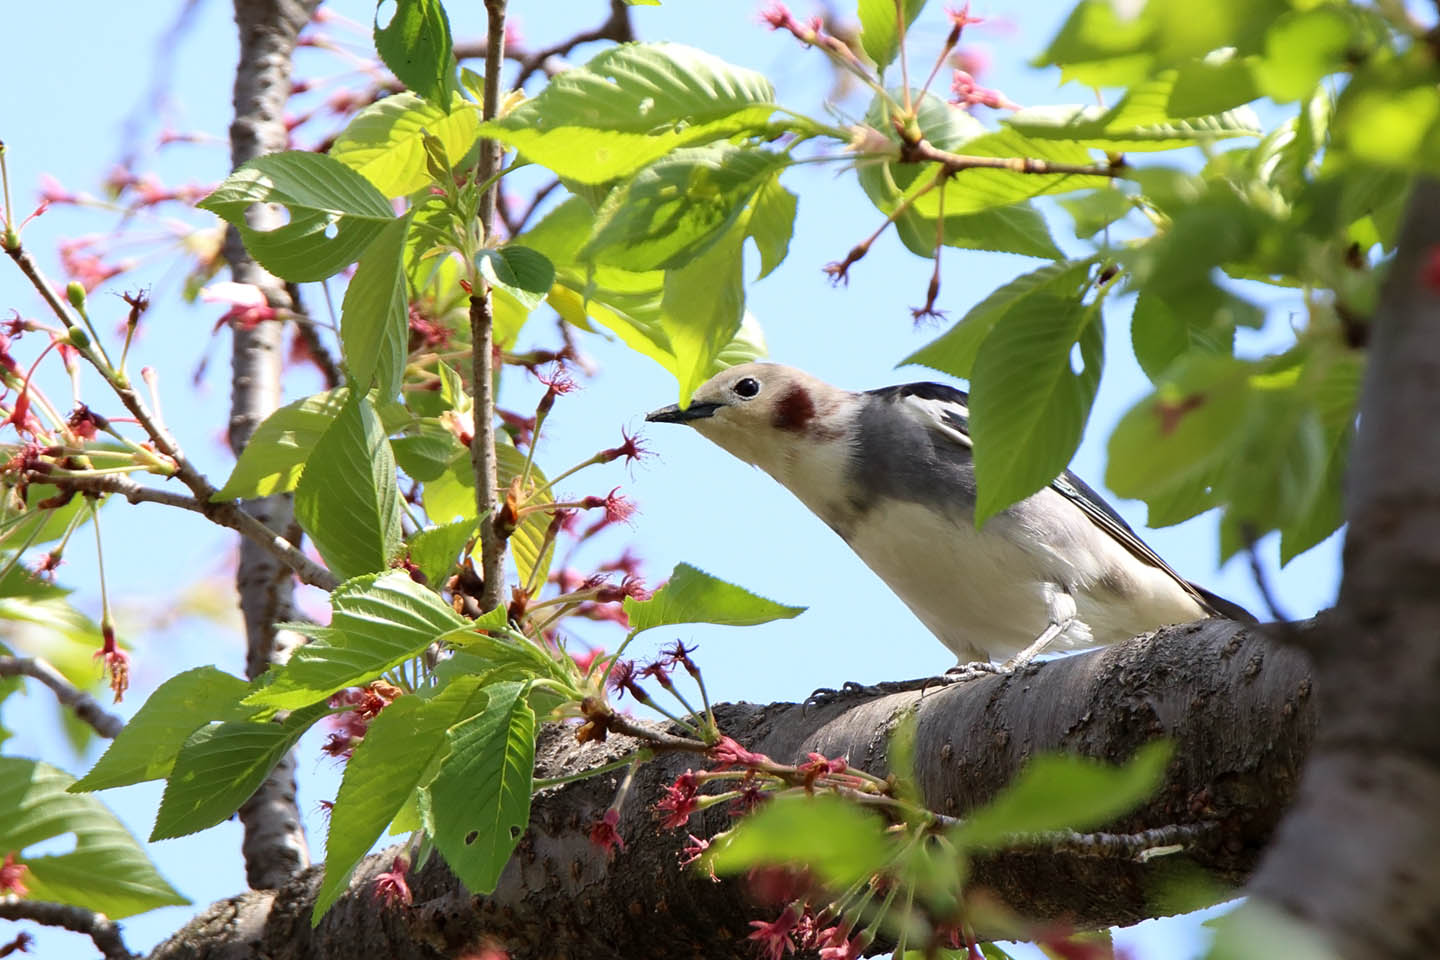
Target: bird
892	472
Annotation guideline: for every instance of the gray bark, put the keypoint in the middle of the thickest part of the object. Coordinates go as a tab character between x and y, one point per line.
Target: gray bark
1358	860
274	847
1238	708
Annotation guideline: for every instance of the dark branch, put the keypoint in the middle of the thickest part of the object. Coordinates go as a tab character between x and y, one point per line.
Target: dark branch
104	934
86	707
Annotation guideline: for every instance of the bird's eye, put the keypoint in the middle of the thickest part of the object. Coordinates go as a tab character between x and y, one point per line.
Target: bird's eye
746	387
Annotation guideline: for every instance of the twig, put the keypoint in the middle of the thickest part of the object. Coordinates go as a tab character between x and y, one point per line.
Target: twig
97	926
86	707
1262	583
310	336
616	27
482	346
226	513
1118	845
922	150
534	205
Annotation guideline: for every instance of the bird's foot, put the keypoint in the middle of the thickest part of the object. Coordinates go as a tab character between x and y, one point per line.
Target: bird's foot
965	672
826	696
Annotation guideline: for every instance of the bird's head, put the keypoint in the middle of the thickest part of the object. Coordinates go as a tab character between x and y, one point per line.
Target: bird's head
761	412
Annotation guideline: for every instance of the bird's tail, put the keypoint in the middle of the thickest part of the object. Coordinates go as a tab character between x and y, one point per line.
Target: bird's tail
1220	607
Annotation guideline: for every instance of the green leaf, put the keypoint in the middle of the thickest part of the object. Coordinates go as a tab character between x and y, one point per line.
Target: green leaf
107	871
221	766
425	454
436	551
274	459
1028	407
335	213
347	499
631	105
145	749
1161	329
771	224
479	801
1140	121
1304	46
976	189
377	621
701	310
416	46
1182	431
674	210
1095	210
374	317
839	840
693	596
35	524
1099	47
1215	84
954	352
525	274
1063	792
400	747
527	538
385	141
880	28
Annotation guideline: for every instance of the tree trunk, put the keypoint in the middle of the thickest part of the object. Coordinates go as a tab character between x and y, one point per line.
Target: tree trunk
1237	707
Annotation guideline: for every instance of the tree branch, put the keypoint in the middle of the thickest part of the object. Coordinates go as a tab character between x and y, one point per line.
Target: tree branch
96	926
1237	708
616	27
86	707
923	151
226	513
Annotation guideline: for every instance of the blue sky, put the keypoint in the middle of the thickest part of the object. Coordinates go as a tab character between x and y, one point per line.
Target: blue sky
697	504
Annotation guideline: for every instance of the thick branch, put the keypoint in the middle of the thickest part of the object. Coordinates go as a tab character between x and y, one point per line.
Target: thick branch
1238	710
226	513
86	707
1358	860
96	926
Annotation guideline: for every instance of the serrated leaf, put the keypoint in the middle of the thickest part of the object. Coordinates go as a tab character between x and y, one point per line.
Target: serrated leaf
694	596
106	872
1063	792
398	751
771	224
146	748
274	459
1028	407
221	766
376	622
673	210
880	28
416	46
374	317
525	274
347	500
1161	329
385	141
427	452
1095	210
436	551
702	308
954	351
976	189
840	841
479	801
335	213
631	105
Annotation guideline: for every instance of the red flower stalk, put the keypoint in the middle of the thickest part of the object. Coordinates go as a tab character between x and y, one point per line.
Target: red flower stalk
680	801
11	874
728	753
116	662
630	448
774	936
391	887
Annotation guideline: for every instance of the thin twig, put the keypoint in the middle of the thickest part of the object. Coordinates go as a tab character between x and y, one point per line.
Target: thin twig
310	336
97	926
482	346
1262	583
86	707
616	27
922	151
1144	844
226	513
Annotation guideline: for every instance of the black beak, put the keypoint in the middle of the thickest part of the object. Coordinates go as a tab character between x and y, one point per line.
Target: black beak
673	413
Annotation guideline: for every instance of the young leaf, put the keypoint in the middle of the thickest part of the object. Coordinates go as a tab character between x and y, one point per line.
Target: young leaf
971	191
693	596
221	766
701	310
334	212
954	352
399	748
525	274
631	105
1028	407
1063	792
347	499
376	622
841	842
428	451
146	747
479	801
374	319
106	872
416	46
880	28
771	224
436	551
385	141
275	456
